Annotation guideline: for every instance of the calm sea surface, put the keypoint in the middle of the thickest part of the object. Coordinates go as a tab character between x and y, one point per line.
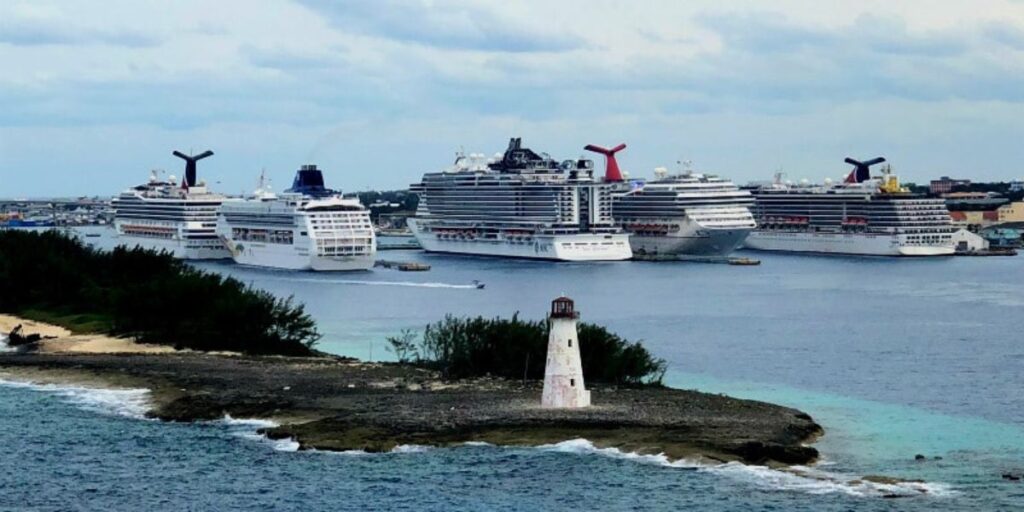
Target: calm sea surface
893	357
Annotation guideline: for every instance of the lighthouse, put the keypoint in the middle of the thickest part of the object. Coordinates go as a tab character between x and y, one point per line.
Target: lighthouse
563	371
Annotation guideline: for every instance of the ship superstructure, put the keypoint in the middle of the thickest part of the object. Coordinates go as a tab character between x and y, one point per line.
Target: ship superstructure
864	215
164	215
518	204
684	214
308	227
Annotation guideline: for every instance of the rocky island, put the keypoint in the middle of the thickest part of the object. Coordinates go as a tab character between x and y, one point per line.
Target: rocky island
332	403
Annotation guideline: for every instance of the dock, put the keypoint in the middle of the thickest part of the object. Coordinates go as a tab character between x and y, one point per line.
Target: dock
988	252
738	261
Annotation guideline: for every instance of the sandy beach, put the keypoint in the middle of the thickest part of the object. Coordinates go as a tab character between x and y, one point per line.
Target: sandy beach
61	341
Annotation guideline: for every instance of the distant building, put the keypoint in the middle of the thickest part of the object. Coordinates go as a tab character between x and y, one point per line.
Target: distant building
563	371
1012	212
966	242
945	184
1002	238
1016	185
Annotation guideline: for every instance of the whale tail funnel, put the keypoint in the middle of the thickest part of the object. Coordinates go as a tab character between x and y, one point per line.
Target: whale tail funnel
190	165
861	170
611	168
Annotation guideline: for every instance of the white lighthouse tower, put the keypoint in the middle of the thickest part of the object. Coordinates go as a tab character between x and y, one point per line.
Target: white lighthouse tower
563	371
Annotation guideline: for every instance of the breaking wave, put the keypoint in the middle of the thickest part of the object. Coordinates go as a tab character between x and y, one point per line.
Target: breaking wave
249	429
798	478
129	403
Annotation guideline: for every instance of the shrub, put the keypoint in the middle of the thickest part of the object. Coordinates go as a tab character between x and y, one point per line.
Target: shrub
517	349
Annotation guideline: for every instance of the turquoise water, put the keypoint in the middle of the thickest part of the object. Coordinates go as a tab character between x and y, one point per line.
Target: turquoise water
893	357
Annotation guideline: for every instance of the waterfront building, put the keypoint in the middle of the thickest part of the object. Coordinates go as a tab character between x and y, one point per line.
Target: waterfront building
563	369
1002	237
967	242
1011	212
945	184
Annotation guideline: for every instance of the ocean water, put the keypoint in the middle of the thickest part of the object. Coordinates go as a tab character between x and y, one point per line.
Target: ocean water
893	357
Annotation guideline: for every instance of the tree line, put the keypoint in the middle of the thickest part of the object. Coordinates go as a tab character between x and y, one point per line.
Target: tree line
147	295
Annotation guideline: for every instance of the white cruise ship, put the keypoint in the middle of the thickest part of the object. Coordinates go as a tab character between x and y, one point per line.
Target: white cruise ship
165	216
862	216
687	214
520	204
308	227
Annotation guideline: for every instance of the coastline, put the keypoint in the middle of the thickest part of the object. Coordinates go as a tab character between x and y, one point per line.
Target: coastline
329	403
341	404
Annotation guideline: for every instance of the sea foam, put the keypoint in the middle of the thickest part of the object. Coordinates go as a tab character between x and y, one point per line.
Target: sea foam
129	403
249	429
797	478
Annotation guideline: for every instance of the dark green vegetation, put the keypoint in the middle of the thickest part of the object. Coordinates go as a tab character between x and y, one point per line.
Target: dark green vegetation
516	349
152	297
387	202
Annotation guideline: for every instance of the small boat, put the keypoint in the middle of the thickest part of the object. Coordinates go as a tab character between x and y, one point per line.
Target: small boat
413	267
478	284
744	261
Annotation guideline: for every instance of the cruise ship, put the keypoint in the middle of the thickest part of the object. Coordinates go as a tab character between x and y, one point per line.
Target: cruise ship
686	214
519	204
864	215
167	216
308	227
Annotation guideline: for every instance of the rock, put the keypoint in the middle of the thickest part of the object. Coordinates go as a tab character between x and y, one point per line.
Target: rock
919	457
1011	477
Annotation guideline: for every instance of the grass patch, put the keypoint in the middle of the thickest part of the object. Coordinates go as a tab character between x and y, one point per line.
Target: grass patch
77	323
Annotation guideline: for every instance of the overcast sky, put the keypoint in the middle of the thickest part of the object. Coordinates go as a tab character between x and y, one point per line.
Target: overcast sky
95	94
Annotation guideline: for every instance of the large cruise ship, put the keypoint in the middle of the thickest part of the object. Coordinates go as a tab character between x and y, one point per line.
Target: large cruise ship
167	216
519	204
308	227
687	214
864	215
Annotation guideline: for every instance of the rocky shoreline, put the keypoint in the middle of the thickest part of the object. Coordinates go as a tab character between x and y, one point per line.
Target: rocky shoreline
333	403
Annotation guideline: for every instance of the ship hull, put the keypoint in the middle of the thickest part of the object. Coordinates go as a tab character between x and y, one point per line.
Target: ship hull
176	248
691	239
292	257
574	247
859	244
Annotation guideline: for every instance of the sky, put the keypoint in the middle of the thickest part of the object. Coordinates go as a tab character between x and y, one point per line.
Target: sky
93	95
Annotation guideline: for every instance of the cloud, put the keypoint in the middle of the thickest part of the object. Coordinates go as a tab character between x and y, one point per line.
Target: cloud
31	31
768	57
452	25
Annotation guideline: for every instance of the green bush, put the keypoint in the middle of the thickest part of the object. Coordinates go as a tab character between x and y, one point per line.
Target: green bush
517	349
146	295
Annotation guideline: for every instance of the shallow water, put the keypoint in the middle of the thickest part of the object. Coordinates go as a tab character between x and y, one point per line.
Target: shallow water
893	357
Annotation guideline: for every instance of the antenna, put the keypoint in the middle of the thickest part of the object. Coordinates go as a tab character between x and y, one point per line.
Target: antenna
861	170
611	166
190	164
